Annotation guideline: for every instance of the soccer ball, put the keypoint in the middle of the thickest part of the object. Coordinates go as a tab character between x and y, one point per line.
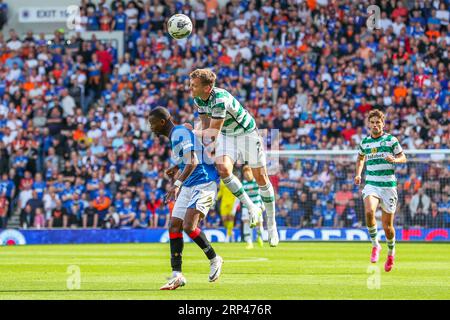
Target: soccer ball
179	26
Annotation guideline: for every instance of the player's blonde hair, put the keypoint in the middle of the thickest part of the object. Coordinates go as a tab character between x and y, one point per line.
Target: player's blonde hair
206	76
376	113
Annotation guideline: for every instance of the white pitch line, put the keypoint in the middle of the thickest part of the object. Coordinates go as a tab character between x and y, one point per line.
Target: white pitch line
248	260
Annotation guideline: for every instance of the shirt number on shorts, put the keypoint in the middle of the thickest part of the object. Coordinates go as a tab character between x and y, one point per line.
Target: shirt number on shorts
196	192
392	202
258	147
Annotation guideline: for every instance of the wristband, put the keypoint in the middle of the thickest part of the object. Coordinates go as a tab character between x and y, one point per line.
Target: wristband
178	183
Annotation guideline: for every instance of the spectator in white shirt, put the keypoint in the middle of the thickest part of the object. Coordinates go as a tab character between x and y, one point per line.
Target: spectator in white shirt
385	22
94	132
398	25
67	103
14	73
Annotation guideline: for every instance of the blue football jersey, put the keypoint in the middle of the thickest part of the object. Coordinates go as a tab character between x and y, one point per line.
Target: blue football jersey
183	141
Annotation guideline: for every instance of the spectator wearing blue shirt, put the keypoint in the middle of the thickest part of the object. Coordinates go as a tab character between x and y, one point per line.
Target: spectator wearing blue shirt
329	216
317	214
20	162
120	20
92	21
282	218
39	185
93	185
212	220
79	187
7	186
296	216
66	195
143	217
127	214
95	72
349	218
75	211
163	213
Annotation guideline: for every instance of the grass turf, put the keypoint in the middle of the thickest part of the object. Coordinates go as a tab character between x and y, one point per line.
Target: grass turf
307	270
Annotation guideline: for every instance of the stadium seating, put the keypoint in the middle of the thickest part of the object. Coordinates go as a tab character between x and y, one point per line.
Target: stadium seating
73	133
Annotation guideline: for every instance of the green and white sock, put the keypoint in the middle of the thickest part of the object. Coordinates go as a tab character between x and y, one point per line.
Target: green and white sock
268	197
373	235
247	232
260	231
235	186
391	246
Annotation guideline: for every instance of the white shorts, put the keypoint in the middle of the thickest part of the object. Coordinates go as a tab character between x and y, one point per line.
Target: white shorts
388	197
200	197
244	148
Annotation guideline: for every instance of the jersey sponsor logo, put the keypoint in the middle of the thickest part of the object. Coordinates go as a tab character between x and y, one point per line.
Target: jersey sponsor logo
373	150
376	156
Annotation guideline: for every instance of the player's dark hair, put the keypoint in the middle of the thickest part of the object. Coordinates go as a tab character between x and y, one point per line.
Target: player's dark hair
160	113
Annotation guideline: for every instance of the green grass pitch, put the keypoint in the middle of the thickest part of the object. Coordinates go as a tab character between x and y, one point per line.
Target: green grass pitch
307	270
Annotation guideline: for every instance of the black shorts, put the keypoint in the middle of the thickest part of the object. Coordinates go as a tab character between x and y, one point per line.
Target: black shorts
72	220
90	220
57	222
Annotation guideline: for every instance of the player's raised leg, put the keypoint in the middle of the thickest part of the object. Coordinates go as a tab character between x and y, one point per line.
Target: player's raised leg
224	165
176	251
388	226
268	197
370	206
190	226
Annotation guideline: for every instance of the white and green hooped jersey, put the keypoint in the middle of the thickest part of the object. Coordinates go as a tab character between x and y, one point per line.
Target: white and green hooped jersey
379	172
252	189
222	105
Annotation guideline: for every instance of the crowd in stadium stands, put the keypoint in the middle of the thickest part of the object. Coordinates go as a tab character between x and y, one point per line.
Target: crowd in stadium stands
75	149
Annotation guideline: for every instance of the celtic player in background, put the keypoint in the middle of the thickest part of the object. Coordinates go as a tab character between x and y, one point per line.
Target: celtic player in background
252	189
229	130
380	151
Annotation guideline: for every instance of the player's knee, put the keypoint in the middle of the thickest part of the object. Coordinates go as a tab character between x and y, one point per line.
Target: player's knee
224	171
370	213
188	228
262	180
174	227
387	225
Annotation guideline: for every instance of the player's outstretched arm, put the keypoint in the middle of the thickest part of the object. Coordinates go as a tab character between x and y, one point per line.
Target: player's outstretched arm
201	125
204	123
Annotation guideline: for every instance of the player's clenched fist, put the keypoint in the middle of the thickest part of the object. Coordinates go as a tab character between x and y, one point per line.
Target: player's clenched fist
358	180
